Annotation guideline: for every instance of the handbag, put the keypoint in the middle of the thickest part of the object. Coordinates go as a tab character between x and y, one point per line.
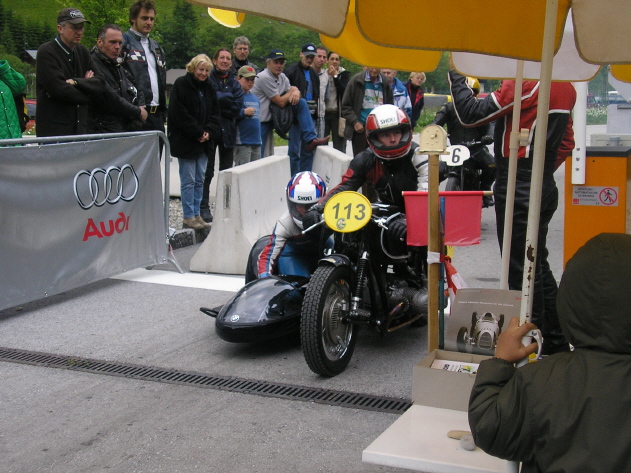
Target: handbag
341	127
282	119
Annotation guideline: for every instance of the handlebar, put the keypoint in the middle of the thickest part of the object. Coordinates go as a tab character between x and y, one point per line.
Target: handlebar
485	140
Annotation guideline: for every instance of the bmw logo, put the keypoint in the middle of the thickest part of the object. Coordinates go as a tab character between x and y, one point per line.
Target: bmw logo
234	318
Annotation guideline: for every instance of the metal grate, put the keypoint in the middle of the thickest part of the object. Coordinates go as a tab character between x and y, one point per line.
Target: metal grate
224	383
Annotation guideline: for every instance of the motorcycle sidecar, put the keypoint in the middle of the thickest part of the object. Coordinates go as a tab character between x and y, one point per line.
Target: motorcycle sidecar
262	310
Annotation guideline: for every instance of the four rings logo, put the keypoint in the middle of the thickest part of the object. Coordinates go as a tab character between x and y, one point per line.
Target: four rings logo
101	186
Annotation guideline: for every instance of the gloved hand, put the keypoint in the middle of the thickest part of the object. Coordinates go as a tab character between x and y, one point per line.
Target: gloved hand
311	217
398	231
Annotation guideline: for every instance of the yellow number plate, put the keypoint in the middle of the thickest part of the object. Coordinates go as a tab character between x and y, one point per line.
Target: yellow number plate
347	212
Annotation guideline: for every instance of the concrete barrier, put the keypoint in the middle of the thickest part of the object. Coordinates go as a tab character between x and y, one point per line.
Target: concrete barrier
250	198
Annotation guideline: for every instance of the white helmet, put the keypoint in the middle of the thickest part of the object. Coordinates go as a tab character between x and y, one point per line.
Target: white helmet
304	190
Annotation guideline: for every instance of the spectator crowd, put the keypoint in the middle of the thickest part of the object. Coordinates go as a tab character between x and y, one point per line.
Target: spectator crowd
224	105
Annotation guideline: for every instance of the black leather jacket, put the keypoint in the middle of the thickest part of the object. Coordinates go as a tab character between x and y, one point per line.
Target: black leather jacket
114	110
390	178
136	62
458	133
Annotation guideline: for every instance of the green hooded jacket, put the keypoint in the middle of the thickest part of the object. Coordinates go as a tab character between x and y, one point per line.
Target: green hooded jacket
572	411
11	83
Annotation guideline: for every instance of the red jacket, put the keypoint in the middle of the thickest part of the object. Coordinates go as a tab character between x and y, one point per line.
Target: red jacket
498	107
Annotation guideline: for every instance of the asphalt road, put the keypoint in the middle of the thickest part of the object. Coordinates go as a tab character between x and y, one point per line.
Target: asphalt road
64	420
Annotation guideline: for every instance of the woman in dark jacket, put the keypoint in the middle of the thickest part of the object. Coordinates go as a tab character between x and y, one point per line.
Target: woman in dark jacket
193	131
230	99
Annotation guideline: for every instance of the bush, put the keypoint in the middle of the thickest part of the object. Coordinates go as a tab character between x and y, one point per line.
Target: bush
597	115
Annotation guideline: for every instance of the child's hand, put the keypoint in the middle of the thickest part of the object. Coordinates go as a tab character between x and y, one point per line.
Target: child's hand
509	346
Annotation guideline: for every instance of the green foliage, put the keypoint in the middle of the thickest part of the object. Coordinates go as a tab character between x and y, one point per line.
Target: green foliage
179	36
99	12
18	33
597	115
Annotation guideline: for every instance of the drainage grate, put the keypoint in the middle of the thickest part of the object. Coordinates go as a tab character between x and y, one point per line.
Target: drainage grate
224	383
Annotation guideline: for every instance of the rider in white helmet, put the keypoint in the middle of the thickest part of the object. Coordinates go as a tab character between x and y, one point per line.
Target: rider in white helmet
288	251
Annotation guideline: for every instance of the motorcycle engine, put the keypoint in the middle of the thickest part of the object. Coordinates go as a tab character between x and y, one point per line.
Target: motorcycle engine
416	299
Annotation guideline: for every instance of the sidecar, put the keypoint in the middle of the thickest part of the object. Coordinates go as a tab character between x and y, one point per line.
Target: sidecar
262	310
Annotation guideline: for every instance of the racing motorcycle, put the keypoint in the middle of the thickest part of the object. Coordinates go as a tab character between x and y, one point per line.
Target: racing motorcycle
362	281
463	170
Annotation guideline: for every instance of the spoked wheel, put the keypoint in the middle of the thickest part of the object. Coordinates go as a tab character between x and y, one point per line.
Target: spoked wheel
453	184
327	342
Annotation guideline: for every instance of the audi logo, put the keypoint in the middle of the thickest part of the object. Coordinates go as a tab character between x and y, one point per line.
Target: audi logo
101	186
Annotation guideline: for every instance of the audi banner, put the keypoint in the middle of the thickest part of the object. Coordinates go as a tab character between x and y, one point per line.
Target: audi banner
74	213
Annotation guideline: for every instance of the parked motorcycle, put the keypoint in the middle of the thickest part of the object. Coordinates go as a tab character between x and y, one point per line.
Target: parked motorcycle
463	164
363	281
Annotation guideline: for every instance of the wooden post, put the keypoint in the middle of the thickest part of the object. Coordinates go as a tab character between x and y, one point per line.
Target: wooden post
433	141
433	272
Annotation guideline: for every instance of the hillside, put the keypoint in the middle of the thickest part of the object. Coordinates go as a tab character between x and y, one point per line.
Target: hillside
270	34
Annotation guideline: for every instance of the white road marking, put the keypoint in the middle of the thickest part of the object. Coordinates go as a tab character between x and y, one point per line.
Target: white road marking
215	282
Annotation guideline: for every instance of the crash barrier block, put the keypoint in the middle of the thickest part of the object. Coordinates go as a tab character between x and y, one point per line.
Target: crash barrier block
250	198
602	203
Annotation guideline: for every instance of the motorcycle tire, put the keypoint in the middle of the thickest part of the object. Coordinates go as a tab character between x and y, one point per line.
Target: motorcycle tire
327	342
453	184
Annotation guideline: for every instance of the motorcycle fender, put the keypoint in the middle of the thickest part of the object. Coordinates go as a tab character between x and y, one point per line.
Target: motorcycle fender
335	260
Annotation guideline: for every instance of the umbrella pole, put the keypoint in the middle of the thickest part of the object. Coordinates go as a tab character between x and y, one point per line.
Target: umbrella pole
512	177
580	132
543	106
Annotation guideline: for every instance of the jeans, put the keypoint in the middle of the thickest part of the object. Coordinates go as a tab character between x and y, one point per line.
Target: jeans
191	184
246	153
266	129
301	133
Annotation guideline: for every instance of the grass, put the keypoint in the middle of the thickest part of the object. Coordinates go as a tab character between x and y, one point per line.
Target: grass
597	115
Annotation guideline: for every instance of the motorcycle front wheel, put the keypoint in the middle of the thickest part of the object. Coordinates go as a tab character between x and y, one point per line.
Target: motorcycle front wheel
453	184
327	341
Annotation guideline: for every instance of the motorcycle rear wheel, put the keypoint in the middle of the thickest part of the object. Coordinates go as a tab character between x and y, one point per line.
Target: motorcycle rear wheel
327	342
453	184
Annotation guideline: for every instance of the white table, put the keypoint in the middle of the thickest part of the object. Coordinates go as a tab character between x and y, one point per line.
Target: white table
418	441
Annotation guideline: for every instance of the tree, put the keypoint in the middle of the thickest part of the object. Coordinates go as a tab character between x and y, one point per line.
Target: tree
100	12
179	35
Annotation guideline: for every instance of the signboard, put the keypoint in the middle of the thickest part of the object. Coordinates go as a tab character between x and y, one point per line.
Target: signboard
595	195
78	212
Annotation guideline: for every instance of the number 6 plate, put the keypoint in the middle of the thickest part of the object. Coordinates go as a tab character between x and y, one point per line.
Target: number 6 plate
347	212
458	154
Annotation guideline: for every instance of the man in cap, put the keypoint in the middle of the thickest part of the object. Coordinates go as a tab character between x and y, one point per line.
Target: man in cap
272	86
65	79
145	59
302	75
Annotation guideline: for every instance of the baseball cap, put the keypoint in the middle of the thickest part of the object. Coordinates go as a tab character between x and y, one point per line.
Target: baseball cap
309	49
71	15
246	71
276	54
